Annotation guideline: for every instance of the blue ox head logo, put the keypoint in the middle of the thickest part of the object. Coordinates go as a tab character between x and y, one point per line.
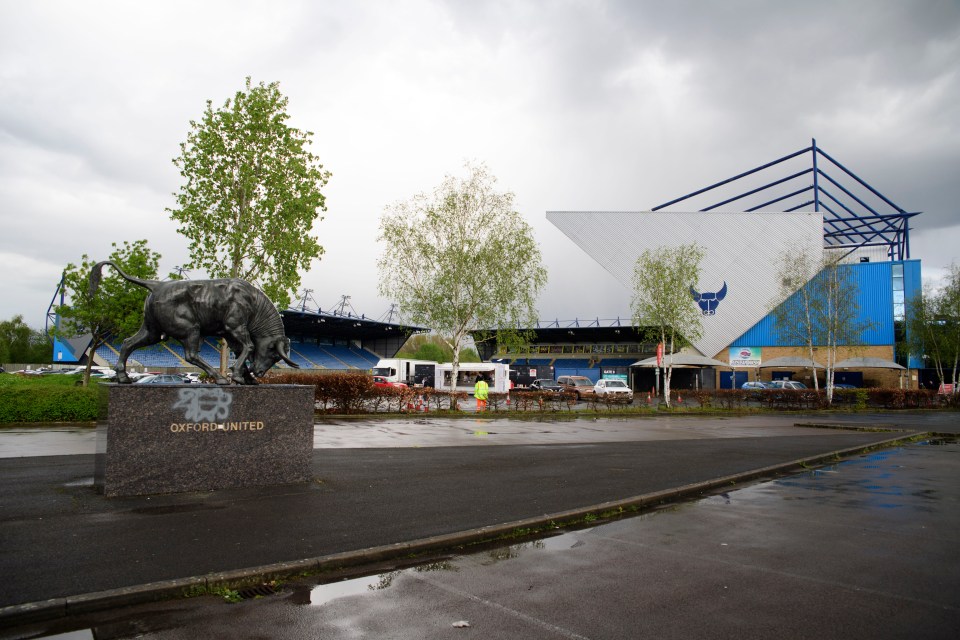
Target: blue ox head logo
709	301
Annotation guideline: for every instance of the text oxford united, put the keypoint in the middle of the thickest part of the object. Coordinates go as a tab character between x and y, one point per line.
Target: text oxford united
187	427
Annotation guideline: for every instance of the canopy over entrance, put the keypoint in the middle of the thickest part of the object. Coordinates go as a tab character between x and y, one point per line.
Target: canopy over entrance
867	363
682	360
791	362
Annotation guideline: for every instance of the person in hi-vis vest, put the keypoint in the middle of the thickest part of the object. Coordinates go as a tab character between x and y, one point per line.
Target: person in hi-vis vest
480	390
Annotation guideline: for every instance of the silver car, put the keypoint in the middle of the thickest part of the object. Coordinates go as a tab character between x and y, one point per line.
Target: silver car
612	387
788	384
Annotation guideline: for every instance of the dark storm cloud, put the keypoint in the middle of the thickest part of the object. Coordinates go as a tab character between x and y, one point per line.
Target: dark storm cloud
574	104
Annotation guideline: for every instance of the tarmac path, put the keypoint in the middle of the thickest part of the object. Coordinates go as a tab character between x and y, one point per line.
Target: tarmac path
67	548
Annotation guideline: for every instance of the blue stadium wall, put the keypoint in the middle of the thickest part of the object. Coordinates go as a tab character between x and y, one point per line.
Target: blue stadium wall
876	302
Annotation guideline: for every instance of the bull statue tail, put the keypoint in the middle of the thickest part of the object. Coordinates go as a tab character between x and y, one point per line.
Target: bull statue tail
95	277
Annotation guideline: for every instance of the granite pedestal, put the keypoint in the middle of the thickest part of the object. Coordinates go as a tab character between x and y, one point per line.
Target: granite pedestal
197	437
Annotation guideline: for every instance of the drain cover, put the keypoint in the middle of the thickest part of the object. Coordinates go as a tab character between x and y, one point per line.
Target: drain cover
259	591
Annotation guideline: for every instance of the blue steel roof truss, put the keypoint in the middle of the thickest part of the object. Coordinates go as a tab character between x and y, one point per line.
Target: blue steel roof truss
848	220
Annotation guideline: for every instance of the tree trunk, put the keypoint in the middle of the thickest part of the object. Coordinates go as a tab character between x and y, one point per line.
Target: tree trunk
86	372
667	373
224	357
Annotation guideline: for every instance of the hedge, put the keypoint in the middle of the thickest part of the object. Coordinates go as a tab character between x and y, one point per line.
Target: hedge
47	403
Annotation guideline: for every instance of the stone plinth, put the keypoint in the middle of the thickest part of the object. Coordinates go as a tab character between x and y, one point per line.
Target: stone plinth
198	437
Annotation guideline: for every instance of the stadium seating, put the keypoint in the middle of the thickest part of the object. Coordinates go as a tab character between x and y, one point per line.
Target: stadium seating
572	363
617	362
169	355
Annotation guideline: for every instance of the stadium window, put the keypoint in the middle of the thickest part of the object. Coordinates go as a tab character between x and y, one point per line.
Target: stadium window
898	293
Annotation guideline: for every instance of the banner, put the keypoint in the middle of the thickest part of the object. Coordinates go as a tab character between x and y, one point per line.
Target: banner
745	357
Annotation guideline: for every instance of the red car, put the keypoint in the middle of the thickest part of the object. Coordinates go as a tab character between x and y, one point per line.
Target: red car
380	381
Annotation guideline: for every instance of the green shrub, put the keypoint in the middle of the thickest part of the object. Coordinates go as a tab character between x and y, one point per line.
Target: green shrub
42	402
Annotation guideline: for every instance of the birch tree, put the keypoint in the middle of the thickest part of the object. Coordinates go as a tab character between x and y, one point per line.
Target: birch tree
794	307
662	305
461	259
823	312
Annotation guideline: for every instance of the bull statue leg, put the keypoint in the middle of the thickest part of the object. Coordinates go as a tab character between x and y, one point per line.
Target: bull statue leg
240	371
145	337
191	353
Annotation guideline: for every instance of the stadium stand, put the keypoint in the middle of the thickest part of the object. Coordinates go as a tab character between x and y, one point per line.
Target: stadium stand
573	363
617	362
318	341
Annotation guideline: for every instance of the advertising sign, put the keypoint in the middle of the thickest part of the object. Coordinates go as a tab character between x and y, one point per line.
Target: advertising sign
745	356
611	374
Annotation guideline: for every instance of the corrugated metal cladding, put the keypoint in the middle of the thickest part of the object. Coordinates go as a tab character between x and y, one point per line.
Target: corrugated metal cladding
742	253
875	284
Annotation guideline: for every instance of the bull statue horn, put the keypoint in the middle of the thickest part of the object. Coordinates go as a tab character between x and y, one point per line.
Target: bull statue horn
283	348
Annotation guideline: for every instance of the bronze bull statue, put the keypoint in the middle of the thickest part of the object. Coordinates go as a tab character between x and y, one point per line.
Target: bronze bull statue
188	310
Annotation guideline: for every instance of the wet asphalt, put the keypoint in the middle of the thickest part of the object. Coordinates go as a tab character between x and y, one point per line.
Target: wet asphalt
66	549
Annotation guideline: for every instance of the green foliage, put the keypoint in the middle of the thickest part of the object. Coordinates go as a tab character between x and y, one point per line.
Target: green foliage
433	347
461	259
933	326
46	399
426	347
252	193
117	307
469	354
819	308
431	352
662	305
21	343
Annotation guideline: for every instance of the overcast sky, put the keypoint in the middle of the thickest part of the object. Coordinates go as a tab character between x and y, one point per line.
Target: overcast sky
573	105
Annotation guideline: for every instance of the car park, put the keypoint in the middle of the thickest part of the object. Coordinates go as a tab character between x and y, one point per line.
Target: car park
580	386
612	387
545	384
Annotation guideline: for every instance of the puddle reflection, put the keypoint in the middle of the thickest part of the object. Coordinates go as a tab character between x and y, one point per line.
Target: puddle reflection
321	594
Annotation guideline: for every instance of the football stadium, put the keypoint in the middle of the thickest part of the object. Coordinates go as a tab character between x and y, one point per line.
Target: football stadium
806	201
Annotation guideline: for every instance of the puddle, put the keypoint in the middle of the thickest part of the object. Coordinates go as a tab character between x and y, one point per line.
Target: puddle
82	482
46	441
82	634
321	594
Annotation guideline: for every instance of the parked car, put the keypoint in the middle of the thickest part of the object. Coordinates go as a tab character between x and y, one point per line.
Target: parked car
843	385
380	381
134	375
545	384
756	384
787	384
579	385
163	378
612	387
